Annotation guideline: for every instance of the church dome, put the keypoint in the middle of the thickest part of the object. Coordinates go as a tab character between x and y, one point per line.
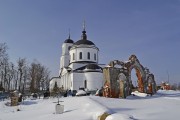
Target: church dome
85	42
68	41
84	39
92	66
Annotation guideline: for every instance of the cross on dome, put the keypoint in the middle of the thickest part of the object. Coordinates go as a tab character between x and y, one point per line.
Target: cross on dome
84	36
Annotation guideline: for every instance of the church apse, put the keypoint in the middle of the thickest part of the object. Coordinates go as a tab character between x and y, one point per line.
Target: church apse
118	83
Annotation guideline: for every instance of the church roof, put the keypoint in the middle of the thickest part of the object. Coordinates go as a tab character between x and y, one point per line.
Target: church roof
84	39
92	66
89	66
68	41
85	42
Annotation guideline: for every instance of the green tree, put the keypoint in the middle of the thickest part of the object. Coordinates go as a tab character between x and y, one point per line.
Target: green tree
55	90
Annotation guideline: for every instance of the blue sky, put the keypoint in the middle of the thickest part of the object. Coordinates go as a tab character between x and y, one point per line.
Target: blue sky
36	29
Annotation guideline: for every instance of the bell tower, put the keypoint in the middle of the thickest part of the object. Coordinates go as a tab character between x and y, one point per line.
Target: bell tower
65	57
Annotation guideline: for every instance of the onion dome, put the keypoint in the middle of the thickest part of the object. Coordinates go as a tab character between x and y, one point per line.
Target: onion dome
69	40
85	42
84	38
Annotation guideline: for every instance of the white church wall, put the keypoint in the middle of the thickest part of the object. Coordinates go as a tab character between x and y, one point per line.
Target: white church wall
84	51
77	80
64	61
66	81
71	80
64	71
94	80
65	48
65	58
71	52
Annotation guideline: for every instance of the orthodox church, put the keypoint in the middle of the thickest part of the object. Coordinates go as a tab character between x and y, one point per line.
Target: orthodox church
79	66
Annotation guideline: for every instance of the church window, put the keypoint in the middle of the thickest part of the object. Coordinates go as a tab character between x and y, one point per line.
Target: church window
94	56
88	55
73	56
85	84
80	55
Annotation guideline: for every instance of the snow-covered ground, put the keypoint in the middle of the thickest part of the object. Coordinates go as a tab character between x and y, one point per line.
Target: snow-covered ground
165	105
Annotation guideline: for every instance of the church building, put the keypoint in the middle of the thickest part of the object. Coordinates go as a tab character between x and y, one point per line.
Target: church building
79	66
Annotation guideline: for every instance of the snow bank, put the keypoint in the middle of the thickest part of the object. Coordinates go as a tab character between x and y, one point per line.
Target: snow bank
94	108
81	92
136	93
118	116
164	105
168	92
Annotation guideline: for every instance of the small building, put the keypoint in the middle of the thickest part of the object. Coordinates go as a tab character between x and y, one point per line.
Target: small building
165	86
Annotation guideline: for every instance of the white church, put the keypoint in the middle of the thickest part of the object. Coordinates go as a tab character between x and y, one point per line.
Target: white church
79	66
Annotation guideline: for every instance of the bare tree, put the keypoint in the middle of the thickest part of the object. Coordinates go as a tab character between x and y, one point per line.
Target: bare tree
174	86
25	79
21	68
21	77
178	86
46	79
10	76
3	64
3	51
32	77
4	73
16	78
39	76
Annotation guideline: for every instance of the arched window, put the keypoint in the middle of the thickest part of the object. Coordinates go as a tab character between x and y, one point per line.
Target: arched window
73	56
80	55
85	84
94	56
88	55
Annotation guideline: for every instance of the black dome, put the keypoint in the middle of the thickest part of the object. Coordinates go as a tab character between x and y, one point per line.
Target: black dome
68	41
92	66
84	39
85	42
